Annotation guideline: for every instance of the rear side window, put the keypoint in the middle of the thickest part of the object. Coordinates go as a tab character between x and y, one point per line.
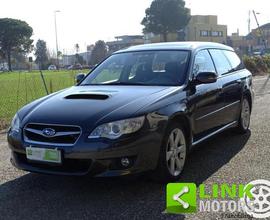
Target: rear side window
235	61
203	63
221	61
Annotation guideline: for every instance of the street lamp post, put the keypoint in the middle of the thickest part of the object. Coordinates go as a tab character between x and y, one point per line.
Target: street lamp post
56	40
260	29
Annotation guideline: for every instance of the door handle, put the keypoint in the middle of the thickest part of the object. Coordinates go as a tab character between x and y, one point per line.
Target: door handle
220	89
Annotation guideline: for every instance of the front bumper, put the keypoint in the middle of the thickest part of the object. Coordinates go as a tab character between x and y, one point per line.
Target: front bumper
94	158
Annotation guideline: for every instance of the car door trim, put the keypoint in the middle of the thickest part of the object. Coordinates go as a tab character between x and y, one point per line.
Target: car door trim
214	133
231	73
218	110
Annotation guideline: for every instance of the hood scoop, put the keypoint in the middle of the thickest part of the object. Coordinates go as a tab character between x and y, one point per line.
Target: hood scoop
89	96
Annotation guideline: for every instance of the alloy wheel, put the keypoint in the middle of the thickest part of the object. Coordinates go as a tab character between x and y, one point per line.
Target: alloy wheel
245	114
176	152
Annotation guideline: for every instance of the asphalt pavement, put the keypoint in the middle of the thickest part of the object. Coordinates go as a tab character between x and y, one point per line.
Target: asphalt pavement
227	158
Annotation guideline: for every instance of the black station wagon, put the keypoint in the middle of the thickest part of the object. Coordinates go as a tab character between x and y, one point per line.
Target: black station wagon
141	109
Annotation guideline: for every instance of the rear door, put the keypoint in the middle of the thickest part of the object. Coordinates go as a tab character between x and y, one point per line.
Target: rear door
228	64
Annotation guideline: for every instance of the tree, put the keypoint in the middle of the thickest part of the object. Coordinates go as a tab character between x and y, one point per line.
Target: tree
41	54
77	48
79	59
19	60
14	37
100	51
165	16
2	55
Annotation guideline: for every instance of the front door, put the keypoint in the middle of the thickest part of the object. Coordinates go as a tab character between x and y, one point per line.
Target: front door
205	100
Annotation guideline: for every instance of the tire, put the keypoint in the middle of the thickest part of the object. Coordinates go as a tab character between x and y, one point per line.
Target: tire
172	156
244	119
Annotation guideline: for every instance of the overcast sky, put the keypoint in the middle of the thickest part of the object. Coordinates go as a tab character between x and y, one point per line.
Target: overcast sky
86	21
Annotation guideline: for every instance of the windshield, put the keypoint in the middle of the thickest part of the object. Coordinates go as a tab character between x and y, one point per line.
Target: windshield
166	68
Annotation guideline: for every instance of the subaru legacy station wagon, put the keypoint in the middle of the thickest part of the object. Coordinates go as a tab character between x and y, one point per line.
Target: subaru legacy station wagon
141	109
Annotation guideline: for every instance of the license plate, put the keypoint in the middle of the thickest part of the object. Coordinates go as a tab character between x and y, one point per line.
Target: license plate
43	154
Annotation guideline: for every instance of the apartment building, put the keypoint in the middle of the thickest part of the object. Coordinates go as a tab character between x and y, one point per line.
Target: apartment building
206	28
124	41
200	28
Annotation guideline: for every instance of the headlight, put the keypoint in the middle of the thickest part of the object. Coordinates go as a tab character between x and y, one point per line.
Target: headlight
15	124
116	129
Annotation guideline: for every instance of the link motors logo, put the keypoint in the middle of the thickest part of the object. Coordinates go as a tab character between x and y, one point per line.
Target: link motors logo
252	198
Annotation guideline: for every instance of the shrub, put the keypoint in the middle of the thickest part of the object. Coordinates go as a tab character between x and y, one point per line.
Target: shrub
266	60
257	64
250	64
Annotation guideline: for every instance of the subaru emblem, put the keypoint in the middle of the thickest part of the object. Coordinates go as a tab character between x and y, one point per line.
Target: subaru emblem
49	132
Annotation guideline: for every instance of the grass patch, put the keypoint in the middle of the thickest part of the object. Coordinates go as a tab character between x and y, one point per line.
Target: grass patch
20	88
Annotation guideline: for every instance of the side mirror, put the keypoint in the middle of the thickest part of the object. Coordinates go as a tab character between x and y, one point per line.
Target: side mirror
79	77
206	78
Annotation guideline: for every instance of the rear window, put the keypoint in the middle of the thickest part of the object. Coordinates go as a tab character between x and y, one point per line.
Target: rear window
234	60
222	63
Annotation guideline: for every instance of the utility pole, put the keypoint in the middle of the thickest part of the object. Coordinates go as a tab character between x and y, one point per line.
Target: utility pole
249	21
56	40
260	29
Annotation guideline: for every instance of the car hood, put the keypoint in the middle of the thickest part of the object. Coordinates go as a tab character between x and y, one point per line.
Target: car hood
90	105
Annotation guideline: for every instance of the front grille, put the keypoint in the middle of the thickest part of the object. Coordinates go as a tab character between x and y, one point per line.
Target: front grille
62	134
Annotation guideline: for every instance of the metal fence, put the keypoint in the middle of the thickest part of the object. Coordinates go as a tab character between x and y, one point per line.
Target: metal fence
19	88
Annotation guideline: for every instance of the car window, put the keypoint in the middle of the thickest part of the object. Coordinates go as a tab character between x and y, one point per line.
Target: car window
203	63
144	68
234	60
221	62
110	73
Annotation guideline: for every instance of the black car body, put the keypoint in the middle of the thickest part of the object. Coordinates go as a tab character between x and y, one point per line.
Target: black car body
206	99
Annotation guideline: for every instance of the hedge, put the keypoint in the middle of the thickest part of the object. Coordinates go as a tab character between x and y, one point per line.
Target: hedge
257	64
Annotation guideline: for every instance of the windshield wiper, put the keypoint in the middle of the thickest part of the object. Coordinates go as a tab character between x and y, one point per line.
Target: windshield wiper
125	83
115	83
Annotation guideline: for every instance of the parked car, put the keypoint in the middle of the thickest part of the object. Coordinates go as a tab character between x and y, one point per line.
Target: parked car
142	109
75	67
3	69
70	67
92	66
52	67
86	67
66	67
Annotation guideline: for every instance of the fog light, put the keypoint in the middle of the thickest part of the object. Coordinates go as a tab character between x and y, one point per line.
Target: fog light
125	162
